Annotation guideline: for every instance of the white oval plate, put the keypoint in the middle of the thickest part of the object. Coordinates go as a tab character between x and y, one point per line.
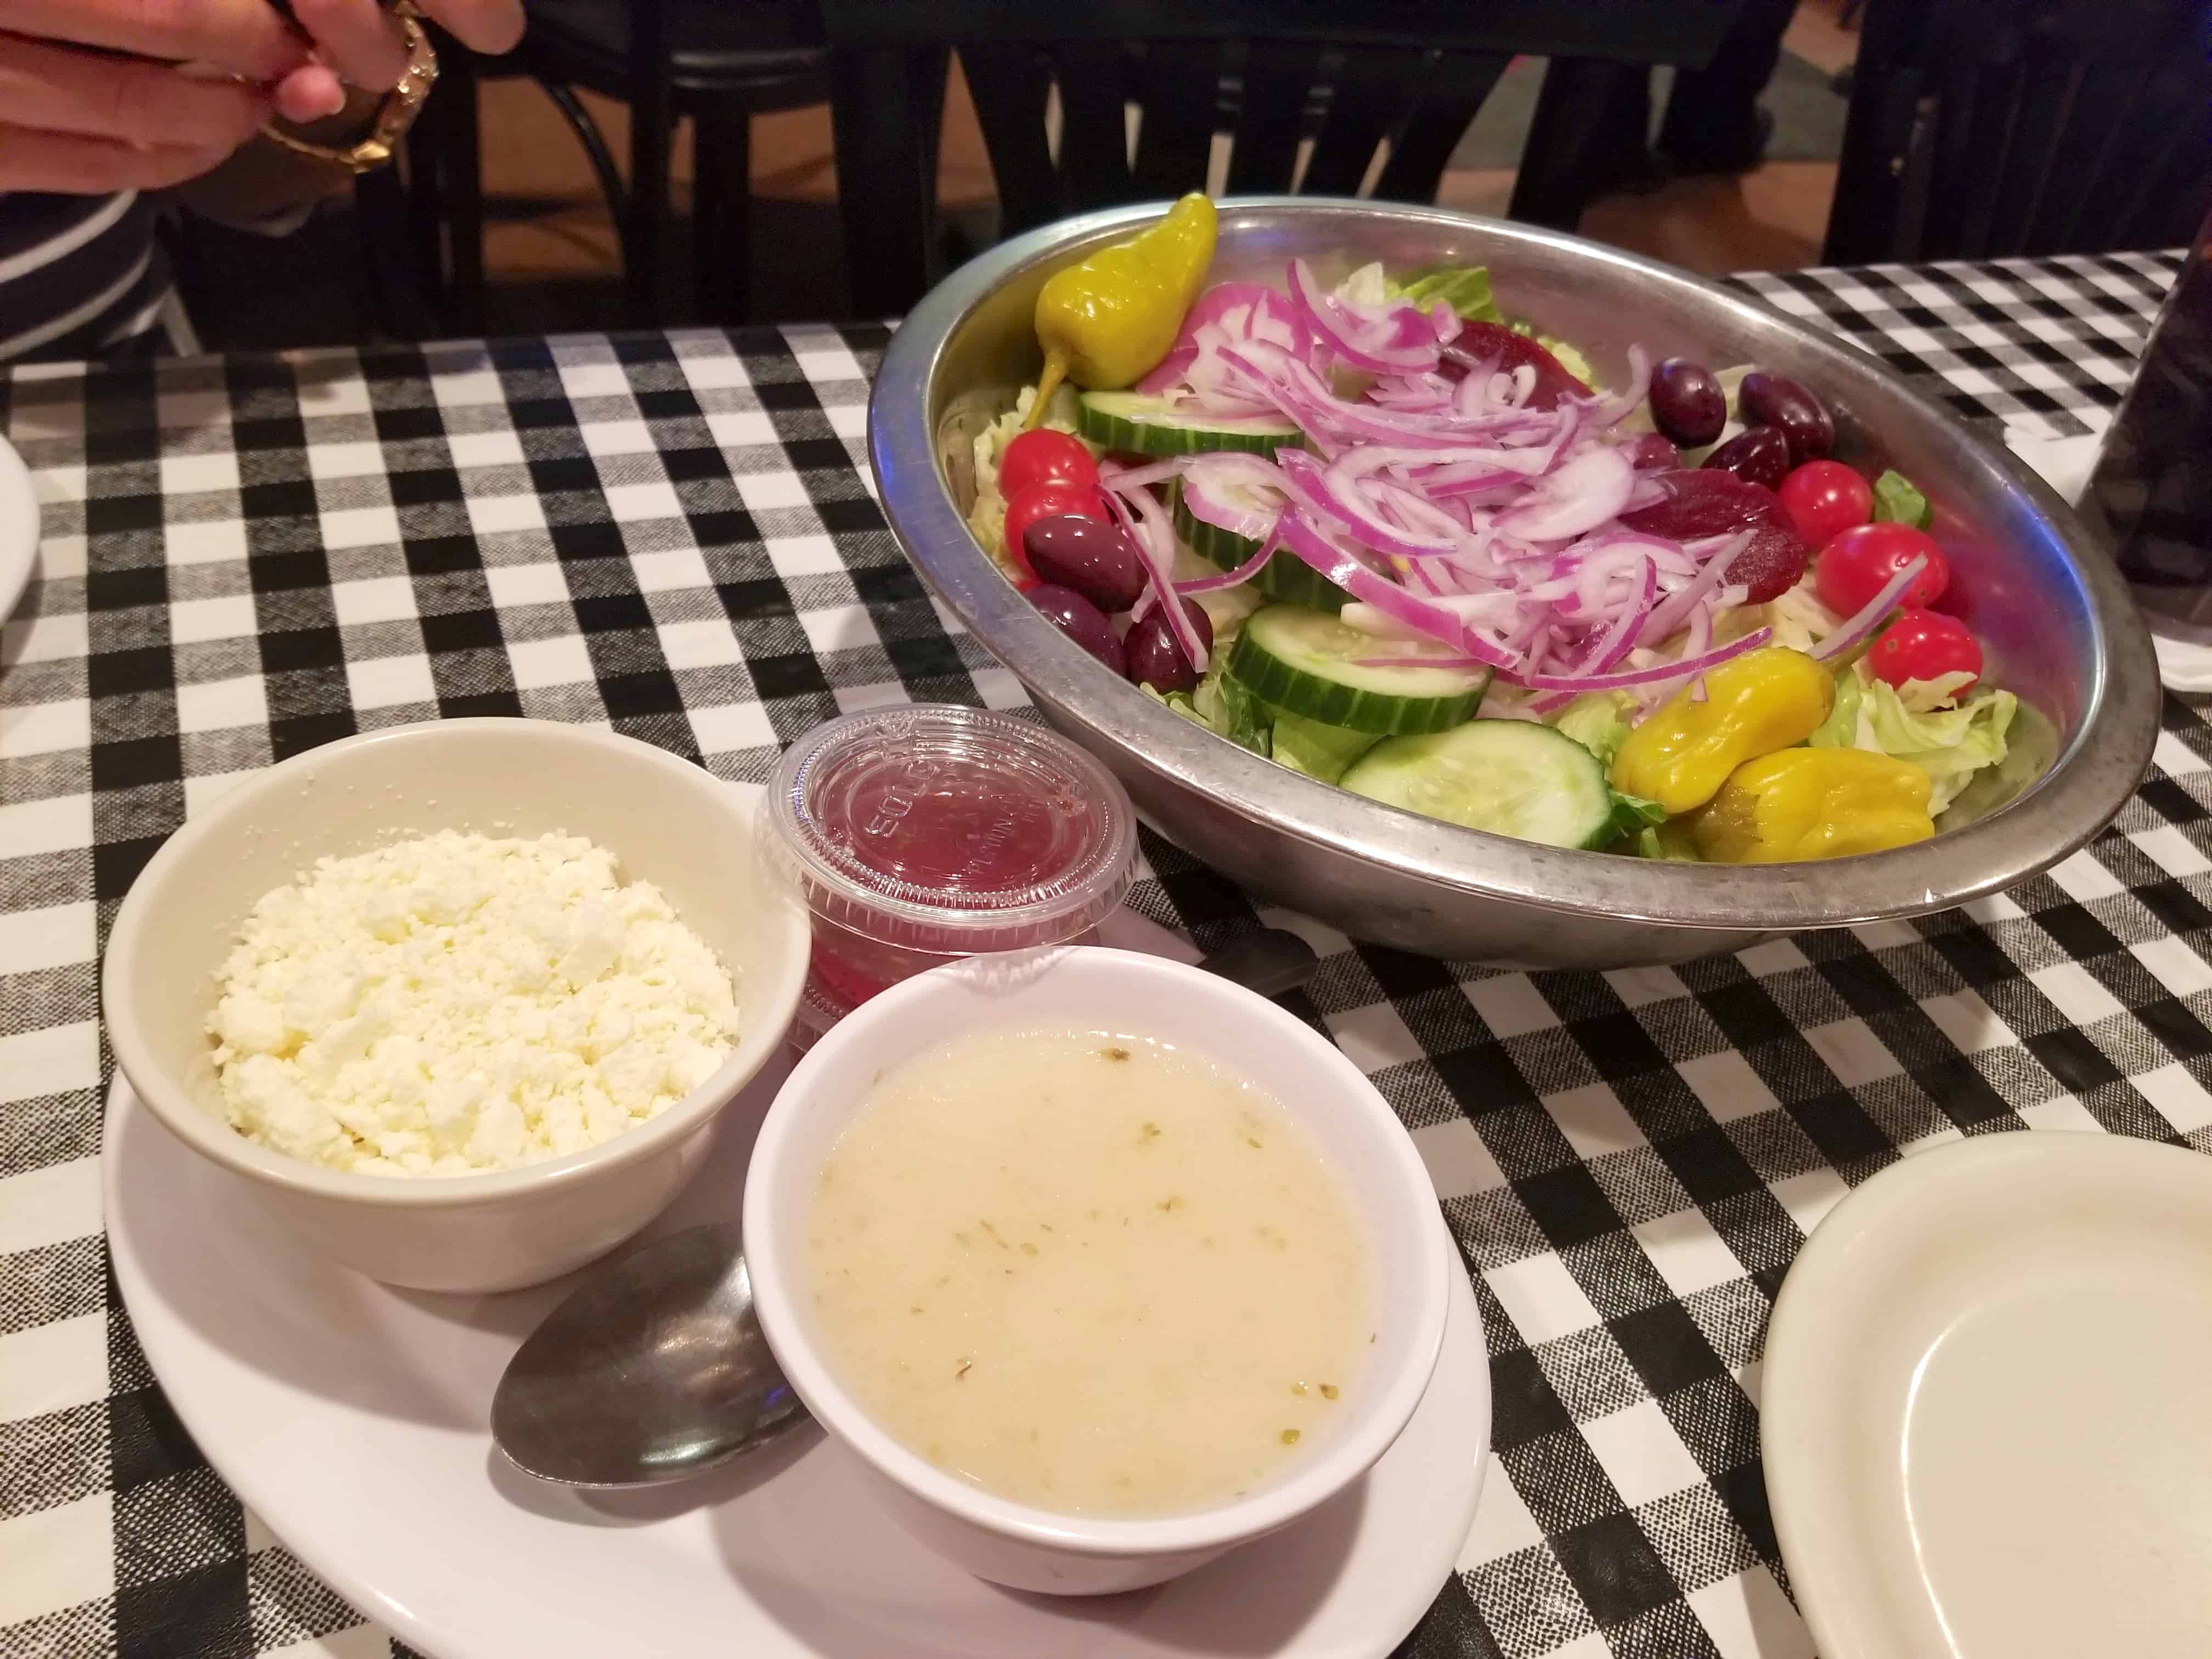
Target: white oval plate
352	1418
1987	1412
19	528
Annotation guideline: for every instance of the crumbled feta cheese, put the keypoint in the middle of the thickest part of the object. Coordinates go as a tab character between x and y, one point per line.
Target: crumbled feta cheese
457	1003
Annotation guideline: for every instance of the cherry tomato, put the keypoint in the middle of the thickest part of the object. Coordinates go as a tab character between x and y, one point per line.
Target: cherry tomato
1044	456
1923	645
1826	498
1853	568
1047	500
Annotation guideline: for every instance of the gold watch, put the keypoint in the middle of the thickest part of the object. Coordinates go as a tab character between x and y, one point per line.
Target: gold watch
393	117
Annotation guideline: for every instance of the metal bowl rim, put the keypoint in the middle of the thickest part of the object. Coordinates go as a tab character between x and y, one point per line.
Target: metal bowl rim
2091	779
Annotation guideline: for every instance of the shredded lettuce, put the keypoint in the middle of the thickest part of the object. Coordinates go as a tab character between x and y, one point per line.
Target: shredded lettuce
1366	286
1798	618
1896	501
1465	288
1321	752
1570	358
987	517
1951	745
1224	708
1632	815
1600	721
1670	840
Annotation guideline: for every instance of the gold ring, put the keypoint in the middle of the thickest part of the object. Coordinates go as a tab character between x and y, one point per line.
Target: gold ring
393	117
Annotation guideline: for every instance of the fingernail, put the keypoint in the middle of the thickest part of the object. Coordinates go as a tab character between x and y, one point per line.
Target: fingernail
336	103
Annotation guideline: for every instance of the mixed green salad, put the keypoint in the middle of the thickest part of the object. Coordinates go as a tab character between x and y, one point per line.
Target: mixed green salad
1384	535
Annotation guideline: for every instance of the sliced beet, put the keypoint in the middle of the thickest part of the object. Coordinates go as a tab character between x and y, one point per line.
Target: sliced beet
1481	343
1773	563
1702	501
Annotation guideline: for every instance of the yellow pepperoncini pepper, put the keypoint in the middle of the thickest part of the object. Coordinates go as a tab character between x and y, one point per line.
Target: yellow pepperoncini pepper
1681	753
1105	323
1814	804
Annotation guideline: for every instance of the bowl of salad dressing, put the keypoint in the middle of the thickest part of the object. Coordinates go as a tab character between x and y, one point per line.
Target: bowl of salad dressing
1100	1264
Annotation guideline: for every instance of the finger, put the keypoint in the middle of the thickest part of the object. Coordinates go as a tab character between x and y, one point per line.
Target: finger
246	37
72	164
310	94
491	27
55	89
356	38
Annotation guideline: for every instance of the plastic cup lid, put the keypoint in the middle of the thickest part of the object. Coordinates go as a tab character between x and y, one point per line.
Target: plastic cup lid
954	830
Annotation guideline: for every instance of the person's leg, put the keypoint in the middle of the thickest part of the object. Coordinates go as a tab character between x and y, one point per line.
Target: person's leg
1713	123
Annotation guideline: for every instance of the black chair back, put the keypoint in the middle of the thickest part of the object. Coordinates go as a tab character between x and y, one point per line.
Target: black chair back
1265	96
1268	74
1984	128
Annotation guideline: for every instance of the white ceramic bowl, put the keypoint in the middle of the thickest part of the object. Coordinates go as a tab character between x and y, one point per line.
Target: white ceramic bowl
666	820
1090	988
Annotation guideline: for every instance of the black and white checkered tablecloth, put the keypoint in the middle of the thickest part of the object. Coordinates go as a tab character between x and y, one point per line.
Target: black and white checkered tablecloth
246	557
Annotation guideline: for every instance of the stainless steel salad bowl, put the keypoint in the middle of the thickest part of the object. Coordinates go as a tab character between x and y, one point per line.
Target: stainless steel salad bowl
2055	620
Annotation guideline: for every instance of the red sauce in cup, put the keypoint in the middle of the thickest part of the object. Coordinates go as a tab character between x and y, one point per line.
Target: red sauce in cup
923	835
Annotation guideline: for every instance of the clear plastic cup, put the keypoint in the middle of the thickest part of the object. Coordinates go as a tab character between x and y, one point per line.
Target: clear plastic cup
923	834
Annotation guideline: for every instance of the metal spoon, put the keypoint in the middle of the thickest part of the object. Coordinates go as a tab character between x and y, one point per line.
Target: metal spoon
654	1369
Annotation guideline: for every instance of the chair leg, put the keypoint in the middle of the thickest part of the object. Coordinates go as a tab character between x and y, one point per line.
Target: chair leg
425	211
391	279
464	212
1577	127
595	146
652	123
721	212
885	105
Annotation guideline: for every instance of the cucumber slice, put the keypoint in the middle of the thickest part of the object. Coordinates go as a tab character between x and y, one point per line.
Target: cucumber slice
1135	423
1308	662
1509	777
1286	576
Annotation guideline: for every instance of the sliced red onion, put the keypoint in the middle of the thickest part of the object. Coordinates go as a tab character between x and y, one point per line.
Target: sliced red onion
1244	572
1623	679
1342	499
1611	411
1362	348
1114	477
1170	371
1156	545
1425	617
1672	613
1584	493
1299	393
1872	615
1208	489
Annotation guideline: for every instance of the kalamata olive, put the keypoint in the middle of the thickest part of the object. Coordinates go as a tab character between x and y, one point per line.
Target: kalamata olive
1650	453
1687	402
1082	622
1704	502
1770	400
1760	454
1155	658
1094	557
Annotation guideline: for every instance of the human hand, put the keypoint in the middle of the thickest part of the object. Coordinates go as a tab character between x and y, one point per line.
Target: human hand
104	95
93	99
357	43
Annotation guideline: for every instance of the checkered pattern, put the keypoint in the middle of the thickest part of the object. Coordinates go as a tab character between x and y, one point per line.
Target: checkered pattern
675	535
